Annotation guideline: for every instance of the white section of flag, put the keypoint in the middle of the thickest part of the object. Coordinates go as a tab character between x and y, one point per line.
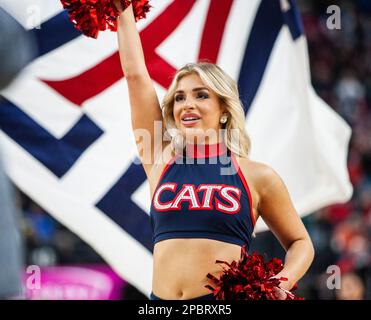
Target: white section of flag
298	134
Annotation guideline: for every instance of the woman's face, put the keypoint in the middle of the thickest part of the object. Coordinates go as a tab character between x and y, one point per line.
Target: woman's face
197	111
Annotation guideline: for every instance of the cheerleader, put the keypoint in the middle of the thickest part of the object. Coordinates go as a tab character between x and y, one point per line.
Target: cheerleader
206	193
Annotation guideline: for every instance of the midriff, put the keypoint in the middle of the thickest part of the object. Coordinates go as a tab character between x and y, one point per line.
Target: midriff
180	266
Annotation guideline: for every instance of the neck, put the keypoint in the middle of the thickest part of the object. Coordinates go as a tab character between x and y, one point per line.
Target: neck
205	150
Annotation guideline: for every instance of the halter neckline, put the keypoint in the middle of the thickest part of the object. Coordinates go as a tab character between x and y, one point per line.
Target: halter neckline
205	150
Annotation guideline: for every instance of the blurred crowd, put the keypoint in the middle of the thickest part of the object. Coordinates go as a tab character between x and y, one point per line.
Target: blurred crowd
341	74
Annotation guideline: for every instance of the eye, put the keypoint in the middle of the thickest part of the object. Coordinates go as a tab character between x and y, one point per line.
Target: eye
179	97
202	95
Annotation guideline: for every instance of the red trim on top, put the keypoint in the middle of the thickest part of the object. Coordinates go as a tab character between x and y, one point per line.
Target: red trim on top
171	161
205	150
244	182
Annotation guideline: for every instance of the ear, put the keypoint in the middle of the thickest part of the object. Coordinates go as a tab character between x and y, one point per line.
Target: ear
223	109
224	112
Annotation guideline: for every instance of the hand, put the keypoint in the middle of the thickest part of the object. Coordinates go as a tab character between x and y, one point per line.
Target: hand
280	293
283	289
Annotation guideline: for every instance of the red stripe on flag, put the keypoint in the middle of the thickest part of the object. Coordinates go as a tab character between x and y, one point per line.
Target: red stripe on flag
98	78
214	29
95	80
161	28
91	82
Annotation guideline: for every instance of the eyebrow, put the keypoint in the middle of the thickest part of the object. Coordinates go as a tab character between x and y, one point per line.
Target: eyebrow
194	90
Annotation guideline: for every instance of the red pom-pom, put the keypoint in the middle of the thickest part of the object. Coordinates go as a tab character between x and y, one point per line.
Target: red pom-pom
249	279
92	16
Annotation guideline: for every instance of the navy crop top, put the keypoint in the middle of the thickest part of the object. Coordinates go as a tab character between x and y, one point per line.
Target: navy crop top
202	193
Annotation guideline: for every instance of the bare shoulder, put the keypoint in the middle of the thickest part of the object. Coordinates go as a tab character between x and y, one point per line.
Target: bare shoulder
261	175
271	194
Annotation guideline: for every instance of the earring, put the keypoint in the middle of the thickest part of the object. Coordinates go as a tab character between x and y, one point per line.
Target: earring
223	119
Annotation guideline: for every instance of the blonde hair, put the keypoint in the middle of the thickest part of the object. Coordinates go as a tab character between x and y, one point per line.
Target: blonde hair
235	136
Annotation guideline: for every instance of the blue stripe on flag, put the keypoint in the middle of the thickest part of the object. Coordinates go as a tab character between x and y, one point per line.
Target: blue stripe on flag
54	33
117	205
293	19
258	49
261	42
58	155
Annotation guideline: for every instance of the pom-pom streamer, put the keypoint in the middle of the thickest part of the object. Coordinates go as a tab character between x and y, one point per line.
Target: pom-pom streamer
249	279
92	16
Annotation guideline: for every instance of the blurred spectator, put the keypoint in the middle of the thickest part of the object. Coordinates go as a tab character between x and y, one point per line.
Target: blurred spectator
350	94
352	288
341	75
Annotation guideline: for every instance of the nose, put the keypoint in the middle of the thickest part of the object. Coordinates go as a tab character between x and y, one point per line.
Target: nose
188	103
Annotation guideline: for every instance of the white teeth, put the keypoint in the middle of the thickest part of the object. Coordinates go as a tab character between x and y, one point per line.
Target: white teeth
190	119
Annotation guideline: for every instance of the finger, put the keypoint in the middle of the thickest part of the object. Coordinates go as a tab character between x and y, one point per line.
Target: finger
280	294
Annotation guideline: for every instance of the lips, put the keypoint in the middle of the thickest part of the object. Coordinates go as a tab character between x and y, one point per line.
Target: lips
190	119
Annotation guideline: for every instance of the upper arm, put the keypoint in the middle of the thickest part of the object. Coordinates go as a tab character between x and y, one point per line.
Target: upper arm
145	113
277	210
145	108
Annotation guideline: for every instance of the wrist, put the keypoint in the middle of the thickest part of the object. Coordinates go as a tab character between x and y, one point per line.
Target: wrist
285	284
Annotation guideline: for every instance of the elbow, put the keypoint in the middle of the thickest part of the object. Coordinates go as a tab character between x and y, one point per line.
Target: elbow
135	75
309	249
312	251
131	73
134	70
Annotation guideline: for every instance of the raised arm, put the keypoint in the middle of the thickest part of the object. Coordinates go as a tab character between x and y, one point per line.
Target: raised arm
145	108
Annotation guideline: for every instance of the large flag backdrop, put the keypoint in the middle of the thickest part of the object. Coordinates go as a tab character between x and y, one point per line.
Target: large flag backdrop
66	126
